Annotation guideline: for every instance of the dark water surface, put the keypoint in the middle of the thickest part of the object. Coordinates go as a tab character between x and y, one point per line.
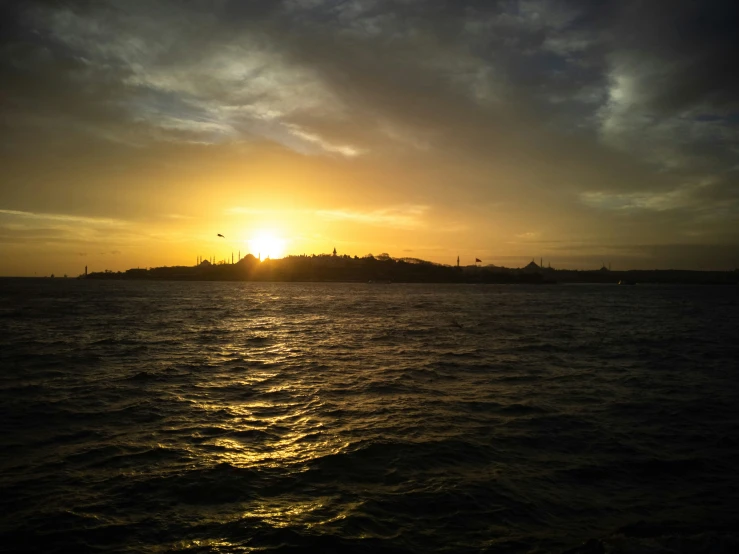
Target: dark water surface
240	417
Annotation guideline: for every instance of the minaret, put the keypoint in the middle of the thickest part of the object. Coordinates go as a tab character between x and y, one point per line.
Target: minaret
457	260
85	271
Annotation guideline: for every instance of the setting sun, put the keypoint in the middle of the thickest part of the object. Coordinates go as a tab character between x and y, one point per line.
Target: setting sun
266	244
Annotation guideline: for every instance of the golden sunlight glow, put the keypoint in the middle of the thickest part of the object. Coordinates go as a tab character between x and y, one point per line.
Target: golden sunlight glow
267	245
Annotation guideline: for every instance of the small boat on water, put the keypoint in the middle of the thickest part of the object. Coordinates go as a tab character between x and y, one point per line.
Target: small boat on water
627	282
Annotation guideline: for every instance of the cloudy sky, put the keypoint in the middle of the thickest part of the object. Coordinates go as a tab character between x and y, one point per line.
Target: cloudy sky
132	132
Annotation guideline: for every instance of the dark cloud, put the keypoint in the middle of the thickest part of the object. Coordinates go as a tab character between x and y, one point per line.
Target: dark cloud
694	42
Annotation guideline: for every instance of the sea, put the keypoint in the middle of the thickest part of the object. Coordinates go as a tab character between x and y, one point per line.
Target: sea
149	416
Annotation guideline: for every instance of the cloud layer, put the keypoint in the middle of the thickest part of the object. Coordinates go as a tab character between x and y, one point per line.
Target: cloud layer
614	121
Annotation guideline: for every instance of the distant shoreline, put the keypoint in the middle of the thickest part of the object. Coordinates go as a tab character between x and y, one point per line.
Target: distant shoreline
582	281
384	269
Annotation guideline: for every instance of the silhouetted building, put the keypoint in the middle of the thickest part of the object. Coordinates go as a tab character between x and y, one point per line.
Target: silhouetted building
532	268
249	259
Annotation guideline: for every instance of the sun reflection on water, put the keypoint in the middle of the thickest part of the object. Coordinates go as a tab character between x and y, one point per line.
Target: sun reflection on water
246	416
276	433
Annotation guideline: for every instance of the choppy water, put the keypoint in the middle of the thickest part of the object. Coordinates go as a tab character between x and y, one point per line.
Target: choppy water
225	417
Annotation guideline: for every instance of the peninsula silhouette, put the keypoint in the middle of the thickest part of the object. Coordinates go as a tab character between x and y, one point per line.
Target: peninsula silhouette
386	269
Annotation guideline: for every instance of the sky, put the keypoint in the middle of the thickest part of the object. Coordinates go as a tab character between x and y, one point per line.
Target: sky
133	132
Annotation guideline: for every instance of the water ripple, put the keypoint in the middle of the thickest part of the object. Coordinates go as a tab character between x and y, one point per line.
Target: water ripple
228	417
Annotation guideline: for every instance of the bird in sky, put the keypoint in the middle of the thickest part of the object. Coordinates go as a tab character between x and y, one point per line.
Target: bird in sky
220	235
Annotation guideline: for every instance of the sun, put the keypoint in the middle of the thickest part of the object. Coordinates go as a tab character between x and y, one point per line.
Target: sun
266	244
